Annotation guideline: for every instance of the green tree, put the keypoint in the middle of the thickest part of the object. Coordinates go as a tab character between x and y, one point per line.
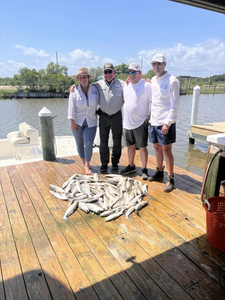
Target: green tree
26	78
98	74
50	82
61	83
122	76
55	69
41	85
121	69
149	74
5	81
16	81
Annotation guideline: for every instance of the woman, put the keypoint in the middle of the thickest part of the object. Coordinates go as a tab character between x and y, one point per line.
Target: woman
82	107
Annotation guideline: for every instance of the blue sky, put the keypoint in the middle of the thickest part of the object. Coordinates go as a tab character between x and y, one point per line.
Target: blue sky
91	33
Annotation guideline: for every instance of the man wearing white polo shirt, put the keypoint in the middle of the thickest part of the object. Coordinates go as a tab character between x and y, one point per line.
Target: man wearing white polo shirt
137	97
164	110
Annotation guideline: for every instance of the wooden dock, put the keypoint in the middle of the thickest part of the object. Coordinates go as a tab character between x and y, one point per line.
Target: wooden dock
201	131
161	254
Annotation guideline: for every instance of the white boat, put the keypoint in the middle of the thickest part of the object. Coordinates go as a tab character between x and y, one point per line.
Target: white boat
64	146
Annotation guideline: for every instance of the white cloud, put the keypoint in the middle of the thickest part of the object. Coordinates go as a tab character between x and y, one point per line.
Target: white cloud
10	68
83	57
79	58
204	59
32	51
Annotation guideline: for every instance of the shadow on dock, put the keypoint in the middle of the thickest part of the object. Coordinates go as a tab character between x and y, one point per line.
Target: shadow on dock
187	271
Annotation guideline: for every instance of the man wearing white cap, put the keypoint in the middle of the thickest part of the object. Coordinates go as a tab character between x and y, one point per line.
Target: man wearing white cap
164	110
137	97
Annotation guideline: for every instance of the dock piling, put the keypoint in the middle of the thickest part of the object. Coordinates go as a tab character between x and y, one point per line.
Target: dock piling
47	134
194	110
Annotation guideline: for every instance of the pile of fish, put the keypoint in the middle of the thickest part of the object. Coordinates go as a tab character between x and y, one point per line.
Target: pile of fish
110	196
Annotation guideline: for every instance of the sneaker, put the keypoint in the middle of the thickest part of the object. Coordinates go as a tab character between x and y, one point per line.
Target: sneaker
169	186
159	175
115	166
104	168
144	175
128	170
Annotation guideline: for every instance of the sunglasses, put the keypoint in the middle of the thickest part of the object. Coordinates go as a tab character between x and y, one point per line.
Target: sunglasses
132	72
108	72
157	64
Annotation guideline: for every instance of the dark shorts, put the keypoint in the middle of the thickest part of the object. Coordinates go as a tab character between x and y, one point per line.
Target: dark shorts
137	136
155	135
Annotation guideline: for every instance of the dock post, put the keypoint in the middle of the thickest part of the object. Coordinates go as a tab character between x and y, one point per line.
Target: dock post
194	110
47	134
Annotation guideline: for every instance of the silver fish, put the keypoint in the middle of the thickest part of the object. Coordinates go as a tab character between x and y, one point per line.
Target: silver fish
130	210
70	210
114	194
85	189
114	216
83	207
68	181
106	213
78	186
145	189
96	177
69	186
94	207
140	205
59	196
56	188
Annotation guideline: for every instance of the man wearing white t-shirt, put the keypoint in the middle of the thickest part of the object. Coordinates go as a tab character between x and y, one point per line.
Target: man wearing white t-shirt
164	110
137	97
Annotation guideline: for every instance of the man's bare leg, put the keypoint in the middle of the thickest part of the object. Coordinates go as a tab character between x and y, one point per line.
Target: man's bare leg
167	151
144	157
131	154
159	156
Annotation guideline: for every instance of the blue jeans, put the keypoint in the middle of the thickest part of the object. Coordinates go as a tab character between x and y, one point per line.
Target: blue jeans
84	137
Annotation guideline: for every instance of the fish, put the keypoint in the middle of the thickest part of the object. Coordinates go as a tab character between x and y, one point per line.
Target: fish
140	205
56	188
129	211
95	176
106	213
114	216
59	196
109	195
83	207
70	210
85	189
94	207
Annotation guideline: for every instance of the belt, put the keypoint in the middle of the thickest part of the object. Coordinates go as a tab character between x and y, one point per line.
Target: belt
112	114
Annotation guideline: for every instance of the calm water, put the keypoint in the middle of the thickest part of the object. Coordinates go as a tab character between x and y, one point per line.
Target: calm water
189	157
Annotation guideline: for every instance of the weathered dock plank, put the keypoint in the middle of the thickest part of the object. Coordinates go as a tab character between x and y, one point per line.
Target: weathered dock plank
206	129
68	262
162	253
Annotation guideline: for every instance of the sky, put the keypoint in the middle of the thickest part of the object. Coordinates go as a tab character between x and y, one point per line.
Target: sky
92	33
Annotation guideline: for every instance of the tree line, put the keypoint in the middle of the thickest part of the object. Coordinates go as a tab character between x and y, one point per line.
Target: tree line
55	78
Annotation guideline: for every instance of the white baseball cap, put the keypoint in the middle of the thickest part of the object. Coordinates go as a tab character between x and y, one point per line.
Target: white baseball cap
158	57
134	66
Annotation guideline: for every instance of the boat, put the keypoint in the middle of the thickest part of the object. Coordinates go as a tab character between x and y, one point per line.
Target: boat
64	146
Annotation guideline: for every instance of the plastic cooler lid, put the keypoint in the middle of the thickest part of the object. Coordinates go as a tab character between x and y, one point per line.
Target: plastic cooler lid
216	139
